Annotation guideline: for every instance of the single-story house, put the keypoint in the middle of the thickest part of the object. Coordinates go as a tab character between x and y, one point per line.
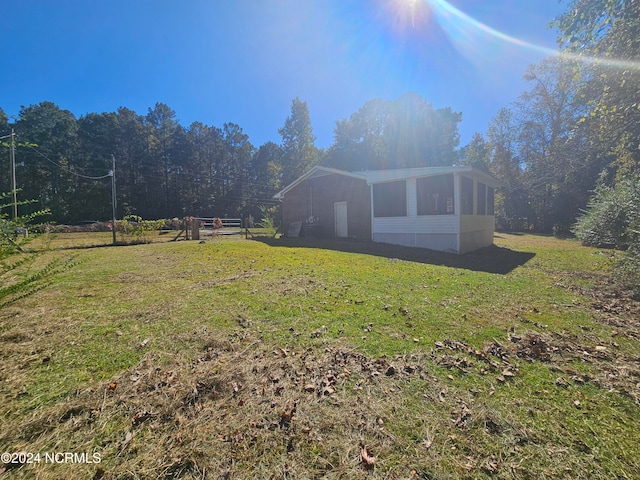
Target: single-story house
442	208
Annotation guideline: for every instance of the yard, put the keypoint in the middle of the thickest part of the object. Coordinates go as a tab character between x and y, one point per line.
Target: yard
301	358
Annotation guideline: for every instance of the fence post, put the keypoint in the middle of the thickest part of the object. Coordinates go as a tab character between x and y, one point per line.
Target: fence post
195	230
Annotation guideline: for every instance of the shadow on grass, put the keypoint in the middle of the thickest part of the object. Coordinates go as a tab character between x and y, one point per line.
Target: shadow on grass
492	259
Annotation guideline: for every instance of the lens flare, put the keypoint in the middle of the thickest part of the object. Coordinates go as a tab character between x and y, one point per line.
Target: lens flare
462	27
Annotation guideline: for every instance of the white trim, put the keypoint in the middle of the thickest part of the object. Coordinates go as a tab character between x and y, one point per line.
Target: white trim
382	176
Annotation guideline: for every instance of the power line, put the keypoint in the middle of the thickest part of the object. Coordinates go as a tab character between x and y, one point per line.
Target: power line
66	168
156	176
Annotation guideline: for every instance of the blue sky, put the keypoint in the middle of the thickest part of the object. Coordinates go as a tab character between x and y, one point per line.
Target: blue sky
244	61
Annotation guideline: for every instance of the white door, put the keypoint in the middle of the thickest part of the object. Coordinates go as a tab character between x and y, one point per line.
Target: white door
340	216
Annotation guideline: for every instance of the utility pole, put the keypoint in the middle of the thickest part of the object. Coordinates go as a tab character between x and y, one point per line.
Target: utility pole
13	175
12	158
113	197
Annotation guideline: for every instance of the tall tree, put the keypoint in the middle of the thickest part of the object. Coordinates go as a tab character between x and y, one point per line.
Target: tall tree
46	174
92	198
198	188
609	31
233	176
476	153
548	113
299	152
266	169
163	131
132	162
360	142
512	205
406	132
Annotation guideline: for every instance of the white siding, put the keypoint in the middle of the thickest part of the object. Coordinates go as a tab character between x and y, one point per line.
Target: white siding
418	224
437	232
435	241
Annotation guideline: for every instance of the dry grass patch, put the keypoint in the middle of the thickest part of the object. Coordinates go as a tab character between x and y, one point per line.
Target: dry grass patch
245	408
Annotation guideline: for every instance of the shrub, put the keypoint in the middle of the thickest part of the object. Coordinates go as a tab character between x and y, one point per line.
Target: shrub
268	222
613	220
610	213
628	268
134	226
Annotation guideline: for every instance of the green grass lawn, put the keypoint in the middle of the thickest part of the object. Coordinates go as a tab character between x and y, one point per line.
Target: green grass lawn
300	358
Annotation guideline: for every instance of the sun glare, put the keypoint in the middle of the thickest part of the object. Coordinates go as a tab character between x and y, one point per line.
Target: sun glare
461	27
424	20
409	15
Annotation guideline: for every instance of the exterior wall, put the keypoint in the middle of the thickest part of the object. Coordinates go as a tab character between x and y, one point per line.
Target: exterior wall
295	205
476	231
435	241
316	197
437	232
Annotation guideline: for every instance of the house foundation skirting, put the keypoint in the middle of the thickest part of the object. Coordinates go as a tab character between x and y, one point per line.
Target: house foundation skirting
445	242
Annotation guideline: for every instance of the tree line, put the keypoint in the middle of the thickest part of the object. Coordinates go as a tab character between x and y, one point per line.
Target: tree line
163	169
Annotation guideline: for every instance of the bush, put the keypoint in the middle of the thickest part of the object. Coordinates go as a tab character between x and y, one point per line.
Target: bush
268	222
613	220
611	212
628	269
134	226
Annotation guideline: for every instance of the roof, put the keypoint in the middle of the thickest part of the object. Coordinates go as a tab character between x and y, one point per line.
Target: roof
390	175
317	171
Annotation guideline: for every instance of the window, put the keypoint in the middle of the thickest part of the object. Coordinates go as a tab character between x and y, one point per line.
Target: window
466	196
482	199
435	195
390	199
490	201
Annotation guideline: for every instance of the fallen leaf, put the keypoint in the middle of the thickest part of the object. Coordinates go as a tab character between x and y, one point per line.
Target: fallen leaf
126	440
368	460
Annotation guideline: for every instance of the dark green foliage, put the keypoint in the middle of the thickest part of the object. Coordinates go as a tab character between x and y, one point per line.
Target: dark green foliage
613	220
299	152
611	215
628	270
